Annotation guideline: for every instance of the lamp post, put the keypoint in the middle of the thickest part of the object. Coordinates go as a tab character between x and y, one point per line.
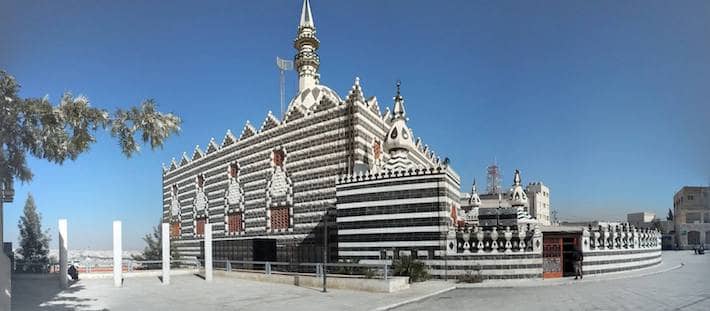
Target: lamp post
325	247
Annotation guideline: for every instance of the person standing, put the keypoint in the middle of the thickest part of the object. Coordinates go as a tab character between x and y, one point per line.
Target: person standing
578	258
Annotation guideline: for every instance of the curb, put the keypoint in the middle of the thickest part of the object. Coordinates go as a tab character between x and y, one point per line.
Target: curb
614	276
415	299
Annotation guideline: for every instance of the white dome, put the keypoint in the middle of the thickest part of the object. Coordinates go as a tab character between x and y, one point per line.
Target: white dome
399	136
311	96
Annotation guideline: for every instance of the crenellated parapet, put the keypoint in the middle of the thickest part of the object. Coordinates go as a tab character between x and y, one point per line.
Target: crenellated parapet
623	247
378	175
619	237
479	240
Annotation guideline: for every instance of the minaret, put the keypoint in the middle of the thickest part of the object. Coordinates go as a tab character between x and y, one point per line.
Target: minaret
306	43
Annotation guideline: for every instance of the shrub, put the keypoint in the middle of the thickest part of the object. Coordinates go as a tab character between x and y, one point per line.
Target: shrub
471	277
414	269
369	273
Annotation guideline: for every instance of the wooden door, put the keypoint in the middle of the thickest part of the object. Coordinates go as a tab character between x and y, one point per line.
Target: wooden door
551	257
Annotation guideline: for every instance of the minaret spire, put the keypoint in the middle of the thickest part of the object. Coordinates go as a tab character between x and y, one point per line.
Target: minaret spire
399	103
306	43
306	16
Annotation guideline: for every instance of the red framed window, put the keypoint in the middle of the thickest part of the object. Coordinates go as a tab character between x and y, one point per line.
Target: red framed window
175	229
279	218
200	230
234	222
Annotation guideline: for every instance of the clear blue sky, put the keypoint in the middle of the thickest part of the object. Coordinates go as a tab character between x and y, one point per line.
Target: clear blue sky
604	101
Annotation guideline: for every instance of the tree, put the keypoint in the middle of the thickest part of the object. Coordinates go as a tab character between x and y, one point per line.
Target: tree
34	244
153	249
657	225
670	215
35	127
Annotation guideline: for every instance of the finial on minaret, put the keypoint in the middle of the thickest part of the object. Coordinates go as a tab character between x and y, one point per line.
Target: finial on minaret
306	16
399	103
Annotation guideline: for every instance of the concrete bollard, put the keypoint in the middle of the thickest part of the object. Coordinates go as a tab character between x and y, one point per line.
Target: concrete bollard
63	254
166	253
117	254
208	252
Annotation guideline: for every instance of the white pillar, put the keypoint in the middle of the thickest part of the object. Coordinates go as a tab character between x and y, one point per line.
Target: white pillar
208	252
63	251
166	253
117	254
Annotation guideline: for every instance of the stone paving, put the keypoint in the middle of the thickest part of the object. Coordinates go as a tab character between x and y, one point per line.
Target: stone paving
687	288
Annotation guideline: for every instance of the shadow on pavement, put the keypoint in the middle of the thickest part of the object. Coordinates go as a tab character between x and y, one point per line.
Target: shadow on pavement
42	292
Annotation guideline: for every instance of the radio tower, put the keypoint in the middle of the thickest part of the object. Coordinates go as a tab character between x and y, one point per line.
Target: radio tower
284	65
493	178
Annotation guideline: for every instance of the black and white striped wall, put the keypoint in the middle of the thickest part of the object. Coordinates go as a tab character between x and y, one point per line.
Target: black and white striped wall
381	216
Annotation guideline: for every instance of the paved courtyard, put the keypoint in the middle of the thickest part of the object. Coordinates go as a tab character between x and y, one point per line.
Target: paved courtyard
686	288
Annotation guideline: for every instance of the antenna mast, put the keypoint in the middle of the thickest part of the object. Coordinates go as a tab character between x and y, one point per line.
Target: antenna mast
284	65
493	178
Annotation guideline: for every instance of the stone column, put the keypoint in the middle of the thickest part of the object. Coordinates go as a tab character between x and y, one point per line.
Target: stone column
208	252
63	252
117	254
508	235
166	253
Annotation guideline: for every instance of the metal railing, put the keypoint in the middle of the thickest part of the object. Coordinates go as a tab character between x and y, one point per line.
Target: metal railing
19	265
316	269
87	266
131	265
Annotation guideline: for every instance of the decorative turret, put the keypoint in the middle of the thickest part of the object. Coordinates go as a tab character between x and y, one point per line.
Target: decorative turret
399	136
398	142
517	195
474	200
307	60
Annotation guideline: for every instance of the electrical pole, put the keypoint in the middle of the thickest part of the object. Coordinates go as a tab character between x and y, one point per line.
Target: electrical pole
325	247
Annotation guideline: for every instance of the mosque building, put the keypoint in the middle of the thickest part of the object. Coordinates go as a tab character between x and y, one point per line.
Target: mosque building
344	166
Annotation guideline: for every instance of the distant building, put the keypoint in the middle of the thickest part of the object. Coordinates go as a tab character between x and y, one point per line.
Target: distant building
691	215
539	202
641	219
537	205
593	223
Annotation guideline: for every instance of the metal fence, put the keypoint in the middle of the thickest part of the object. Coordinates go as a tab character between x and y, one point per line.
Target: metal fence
89	266
380	271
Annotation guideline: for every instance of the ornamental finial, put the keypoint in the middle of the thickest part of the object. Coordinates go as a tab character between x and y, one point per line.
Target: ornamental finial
399	102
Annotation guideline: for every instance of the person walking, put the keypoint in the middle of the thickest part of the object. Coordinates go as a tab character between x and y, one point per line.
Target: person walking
578	258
